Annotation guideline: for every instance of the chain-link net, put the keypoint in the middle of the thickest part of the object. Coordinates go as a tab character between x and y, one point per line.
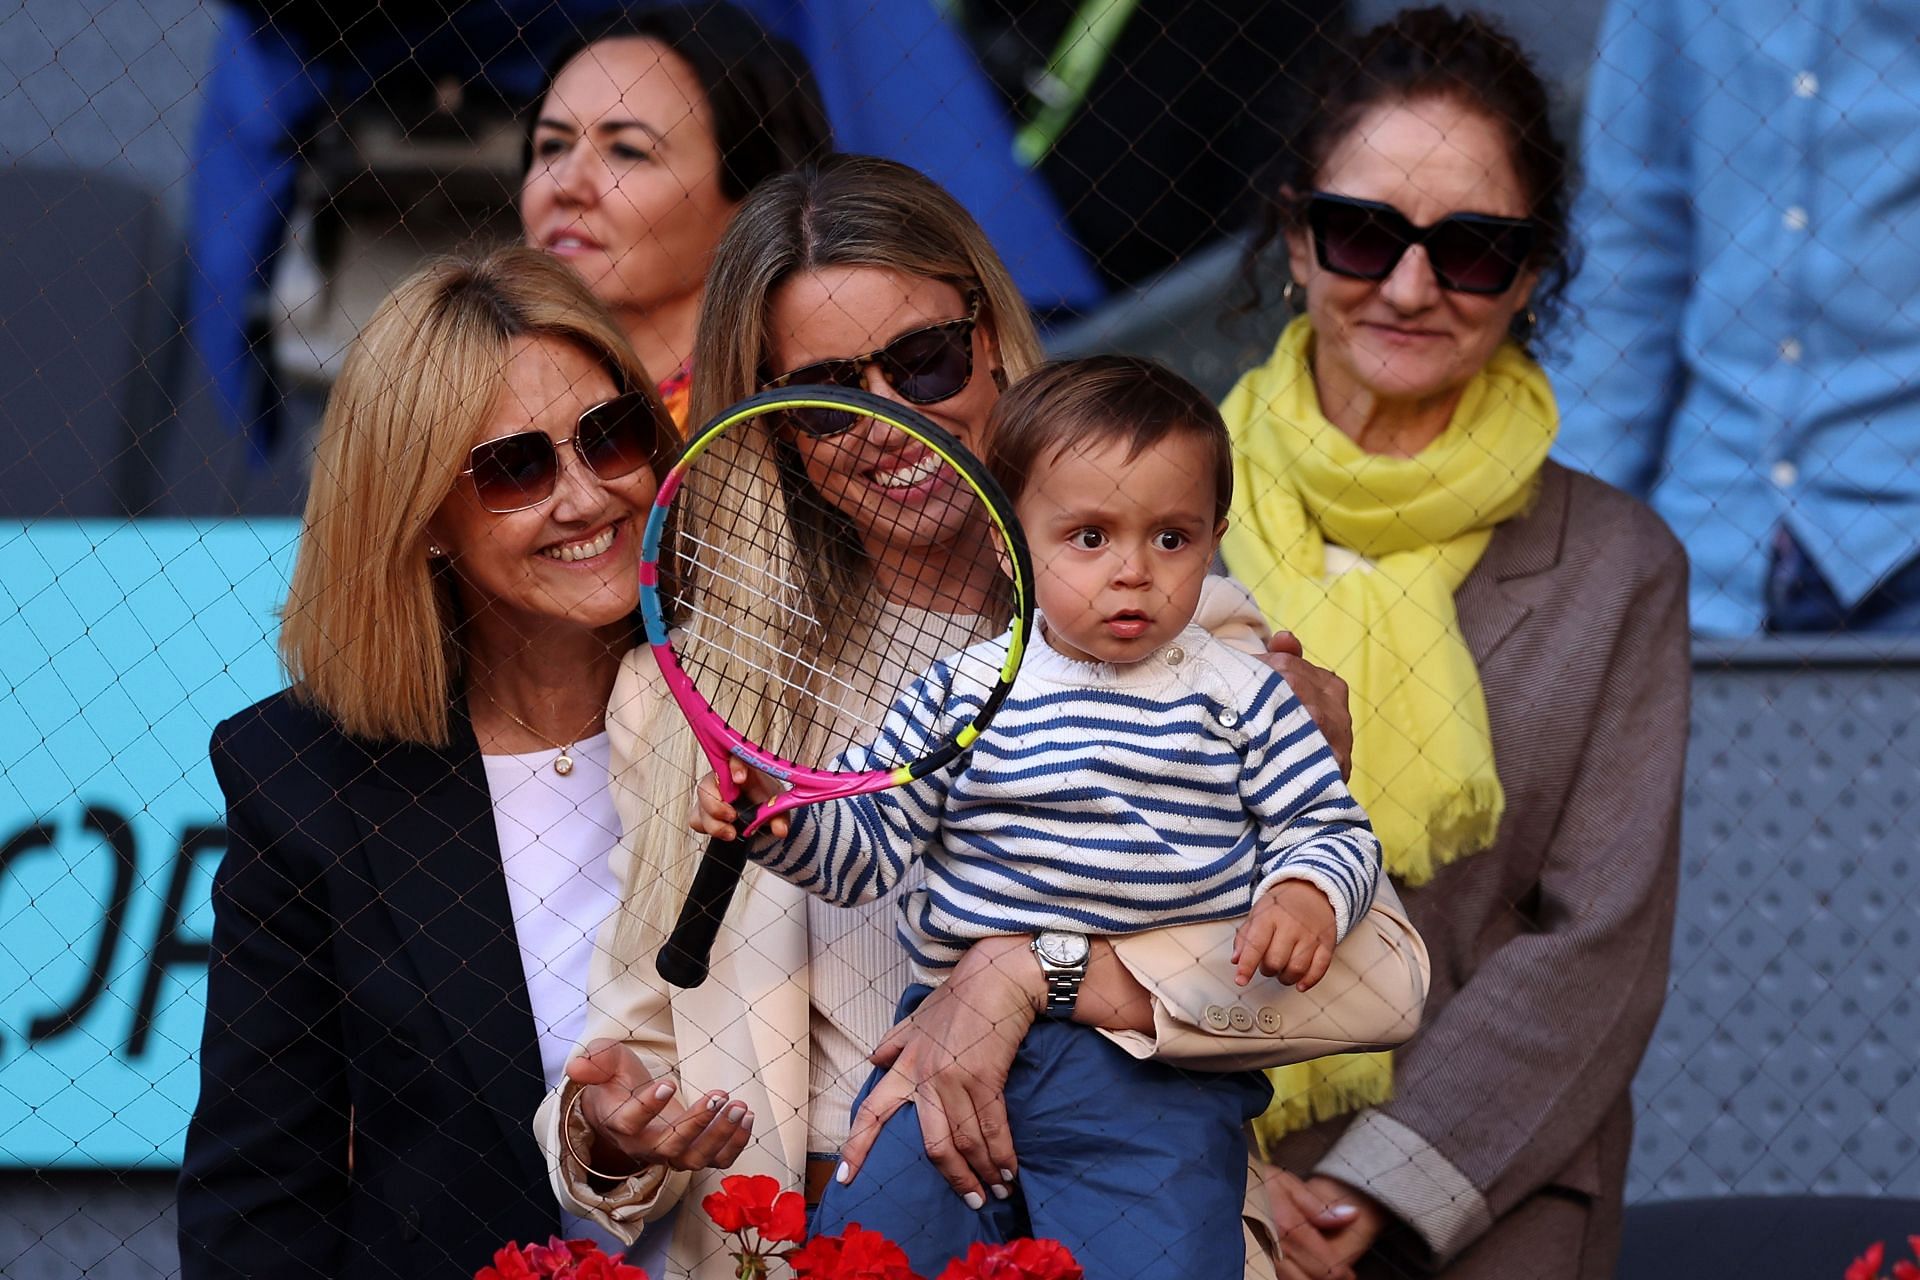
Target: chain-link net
1639	754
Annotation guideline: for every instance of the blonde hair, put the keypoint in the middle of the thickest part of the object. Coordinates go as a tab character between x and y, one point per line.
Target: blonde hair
368	630
845	211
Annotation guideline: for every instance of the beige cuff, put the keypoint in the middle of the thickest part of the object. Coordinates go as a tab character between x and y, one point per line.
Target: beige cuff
1371	998
1413	1179
623	1208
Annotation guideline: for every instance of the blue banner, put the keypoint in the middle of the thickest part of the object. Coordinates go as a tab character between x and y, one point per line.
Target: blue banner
122	643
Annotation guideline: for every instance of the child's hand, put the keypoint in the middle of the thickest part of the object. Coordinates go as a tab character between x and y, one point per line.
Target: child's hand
1288	935
713	816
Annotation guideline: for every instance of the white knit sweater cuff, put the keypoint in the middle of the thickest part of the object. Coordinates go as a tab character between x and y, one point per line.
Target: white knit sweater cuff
1342	915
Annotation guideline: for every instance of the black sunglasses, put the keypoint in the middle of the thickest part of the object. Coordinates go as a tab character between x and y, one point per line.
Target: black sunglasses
1470	252
614	438
925	366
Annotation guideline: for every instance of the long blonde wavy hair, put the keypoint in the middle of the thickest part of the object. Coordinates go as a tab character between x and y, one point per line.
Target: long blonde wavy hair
846	211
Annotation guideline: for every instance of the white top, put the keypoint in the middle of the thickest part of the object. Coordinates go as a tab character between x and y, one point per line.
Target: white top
555	836
855	969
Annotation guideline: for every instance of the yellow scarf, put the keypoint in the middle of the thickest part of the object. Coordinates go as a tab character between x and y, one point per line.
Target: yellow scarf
1422	752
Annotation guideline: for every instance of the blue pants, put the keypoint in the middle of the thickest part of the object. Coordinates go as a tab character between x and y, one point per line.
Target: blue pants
1800	600
1140	1169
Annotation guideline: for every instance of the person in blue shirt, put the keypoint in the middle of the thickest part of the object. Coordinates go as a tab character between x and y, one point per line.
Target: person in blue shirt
1750	303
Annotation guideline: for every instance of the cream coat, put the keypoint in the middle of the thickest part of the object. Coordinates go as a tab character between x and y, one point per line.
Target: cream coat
746	1029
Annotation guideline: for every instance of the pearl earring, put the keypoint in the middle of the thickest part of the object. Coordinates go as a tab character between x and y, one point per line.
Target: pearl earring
434	552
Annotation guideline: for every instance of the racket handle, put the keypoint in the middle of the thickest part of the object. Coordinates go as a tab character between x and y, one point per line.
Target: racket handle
684	956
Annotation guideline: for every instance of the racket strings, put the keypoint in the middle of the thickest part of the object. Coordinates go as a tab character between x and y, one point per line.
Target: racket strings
781	666
816	594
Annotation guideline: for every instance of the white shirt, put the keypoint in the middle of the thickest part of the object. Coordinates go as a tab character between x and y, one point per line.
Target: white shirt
555	834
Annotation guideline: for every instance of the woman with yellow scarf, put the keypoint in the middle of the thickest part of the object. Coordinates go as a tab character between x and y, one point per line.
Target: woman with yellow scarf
1515	640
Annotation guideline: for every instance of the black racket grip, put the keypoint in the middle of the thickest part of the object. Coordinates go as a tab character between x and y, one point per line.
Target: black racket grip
684	956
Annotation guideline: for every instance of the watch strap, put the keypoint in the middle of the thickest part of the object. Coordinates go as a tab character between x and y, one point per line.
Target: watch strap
1063	991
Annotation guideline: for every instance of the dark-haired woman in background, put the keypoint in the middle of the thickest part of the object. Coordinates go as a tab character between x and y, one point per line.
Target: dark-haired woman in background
1515	640
654	126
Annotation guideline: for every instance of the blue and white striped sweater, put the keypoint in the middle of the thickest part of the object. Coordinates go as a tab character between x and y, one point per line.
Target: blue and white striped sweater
1101	799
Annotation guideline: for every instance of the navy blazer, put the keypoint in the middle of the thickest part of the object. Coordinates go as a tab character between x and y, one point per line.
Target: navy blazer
370	1067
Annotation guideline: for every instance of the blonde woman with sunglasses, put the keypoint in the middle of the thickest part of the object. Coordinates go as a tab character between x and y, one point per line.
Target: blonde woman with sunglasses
419	826
863	273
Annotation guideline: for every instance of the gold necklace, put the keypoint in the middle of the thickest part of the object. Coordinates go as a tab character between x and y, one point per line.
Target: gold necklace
563	764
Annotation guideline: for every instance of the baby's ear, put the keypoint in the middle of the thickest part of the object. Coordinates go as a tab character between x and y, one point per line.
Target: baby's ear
1219	531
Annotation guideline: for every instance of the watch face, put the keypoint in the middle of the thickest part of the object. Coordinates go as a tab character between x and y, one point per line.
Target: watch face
1063	949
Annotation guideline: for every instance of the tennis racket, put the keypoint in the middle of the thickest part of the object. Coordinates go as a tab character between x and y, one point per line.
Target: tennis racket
811	554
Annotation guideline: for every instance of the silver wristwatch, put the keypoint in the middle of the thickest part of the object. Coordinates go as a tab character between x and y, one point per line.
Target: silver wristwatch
1063	959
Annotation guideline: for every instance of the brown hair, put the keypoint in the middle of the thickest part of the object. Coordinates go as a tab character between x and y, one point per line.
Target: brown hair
764	102
1416	55
1066	403
367	632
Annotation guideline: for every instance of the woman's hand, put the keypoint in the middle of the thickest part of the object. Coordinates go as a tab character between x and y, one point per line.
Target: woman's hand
950	1059
1320	691
713	816
1324	1225
637	1122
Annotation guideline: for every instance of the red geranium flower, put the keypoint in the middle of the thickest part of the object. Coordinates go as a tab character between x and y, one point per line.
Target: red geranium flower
857	1255
1907	1270
756	1202
509	1263
598	1266
557	1259
816	1259
1015	1260
1867	1265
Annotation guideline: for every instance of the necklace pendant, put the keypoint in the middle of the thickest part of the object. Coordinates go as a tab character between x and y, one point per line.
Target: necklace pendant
564	765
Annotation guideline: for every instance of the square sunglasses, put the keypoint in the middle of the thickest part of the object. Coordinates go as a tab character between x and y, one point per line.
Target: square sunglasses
1470	252
925	366
614	438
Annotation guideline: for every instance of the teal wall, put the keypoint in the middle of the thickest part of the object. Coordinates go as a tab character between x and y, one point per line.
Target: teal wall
122	643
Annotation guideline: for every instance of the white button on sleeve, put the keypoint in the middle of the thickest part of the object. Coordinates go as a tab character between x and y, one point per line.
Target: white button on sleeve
1805	84
1785	474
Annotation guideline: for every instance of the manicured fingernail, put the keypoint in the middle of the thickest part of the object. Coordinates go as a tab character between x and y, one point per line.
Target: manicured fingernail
735	1111
663	1090
1000	1192
1006	1175
1341	1211
974	1201
844	1174
716	1102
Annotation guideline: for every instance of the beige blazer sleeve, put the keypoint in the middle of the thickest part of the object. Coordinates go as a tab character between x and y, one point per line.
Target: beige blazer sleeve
744	1030
1370	999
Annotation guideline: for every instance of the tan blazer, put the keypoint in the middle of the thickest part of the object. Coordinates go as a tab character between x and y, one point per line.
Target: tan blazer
746	1029
1504	1150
